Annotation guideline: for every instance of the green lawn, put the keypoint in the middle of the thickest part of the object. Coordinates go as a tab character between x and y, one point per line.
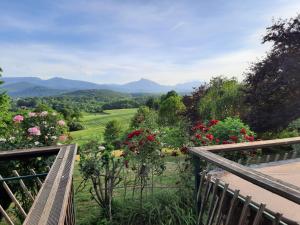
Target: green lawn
94	124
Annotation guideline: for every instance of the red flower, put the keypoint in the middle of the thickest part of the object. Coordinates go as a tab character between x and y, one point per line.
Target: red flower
234	138
213	122
203	142
198	126
243	131
184	150
225	142
217	140
151	137
210	137
174	153
134	133
126	163
198	136
249	138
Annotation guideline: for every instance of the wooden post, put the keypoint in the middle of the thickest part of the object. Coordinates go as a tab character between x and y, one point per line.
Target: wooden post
197	170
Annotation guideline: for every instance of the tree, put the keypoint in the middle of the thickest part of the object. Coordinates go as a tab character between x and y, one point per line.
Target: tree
222	99
112	132
191	103
4	106
273	93
144	118
171	108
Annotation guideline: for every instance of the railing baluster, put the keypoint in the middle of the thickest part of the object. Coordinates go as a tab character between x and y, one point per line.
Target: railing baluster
6	216
13	198
232	206
204	198
216	184
244	210
40	183
23	186
218	217
259	213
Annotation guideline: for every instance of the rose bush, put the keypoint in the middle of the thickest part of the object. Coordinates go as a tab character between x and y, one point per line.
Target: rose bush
34	129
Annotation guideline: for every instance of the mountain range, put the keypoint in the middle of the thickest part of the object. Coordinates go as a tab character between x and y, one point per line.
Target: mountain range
34	86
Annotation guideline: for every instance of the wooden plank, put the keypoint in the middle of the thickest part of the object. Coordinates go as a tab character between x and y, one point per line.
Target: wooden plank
34	152
284	189
212	200
250	145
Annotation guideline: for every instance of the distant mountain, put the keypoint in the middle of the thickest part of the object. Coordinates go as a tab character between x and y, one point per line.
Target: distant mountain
33	86
25	89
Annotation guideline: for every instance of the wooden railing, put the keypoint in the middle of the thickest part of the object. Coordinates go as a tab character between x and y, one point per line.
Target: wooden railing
54	203
213	204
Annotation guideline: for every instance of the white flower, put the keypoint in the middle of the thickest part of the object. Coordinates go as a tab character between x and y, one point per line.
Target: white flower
44	113
101	148
36	143
12	138
2	140
53	137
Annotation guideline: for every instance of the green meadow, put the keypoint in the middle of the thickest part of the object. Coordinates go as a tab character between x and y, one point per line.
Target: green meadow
94	124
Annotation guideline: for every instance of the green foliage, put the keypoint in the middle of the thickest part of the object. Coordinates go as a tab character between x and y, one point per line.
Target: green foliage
175	137
112	132
75	126
4	107
171	108
222	99
98	165
144	117
152	103
227	130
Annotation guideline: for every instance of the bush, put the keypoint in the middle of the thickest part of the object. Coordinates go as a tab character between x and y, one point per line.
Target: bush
33	129
112	132
144	117
75	126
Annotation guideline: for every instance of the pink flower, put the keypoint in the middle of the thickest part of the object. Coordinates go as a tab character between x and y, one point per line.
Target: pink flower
61	123
62	138
32	114
44	113
18	119
34	131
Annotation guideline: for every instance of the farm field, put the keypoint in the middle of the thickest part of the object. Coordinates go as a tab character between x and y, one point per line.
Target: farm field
94	124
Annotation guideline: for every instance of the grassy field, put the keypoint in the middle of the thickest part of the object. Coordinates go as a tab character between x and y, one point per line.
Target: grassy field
94	124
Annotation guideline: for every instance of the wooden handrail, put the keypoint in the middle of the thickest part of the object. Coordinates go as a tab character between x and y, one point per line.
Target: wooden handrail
52	203
279	187
250	145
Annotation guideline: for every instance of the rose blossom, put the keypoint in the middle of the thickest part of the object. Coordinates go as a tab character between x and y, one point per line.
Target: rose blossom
44	113
61	123
62	138
18	119
32	114
35	131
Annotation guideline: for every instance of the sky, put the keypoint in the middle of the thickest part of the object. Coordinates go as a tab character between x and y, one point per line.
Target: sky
118	41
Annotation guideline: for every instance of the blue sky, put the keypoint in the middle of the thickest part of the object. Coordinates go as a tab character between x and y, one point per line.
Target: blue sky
116	41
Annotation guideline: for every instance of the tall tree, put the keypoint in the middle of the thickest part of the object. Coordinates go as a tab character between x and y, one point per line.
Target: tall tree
4	106
273	84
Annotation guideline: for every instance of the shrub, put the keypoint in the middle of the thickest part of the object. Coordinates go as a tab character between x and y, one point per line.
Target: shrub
143	155
75	126
112	132
144	117
34	129
99	165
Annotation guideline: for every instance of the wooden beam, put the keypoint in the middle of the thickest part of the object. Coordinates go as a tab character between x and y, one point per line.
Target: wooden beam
250	145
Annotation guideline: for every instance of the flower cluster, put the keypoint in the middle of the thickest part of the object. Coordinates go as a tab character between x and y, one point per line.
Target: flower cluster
221	132
34	129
